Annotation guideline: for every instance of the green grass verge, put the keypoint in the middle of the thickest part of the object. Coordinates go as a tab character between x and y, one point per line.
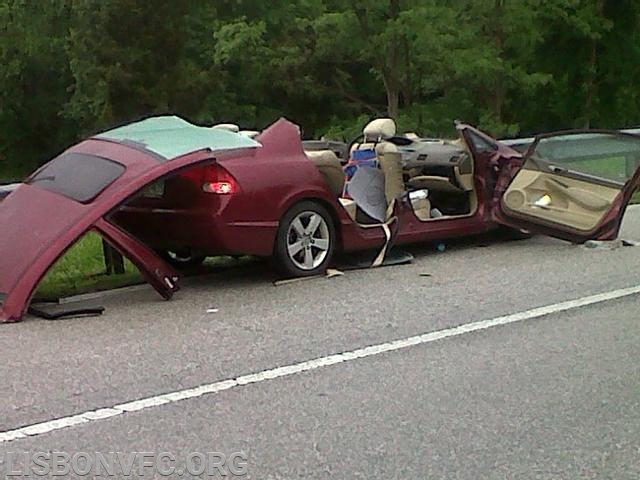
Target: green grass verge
81	270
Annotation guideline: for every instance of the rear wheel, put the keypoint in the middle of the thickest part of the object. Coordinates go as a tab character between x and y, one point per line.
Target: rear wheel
305	241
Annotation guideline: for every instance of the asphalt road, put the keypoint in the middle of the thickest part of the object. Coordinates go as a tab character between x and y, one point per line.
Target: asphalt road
548	397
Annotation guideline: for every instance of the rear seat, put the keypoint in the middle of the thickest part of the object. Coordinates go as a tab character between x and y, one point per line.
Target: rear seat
329	166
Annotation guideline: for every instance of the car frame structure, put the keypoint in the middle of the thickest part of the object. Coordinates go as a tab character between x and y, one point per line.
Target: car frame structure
165	192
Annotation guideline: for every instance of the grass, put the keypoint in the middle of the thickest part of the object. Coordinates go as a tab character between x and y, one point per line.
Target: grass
81	270
615	168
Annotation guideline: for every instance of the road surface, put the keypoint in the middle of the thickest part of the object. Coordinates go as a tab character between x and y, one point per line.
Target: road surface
534	393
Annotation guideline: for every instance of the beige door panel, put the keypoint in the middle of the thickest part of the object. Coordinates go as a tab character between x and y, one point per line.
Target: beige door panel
574	203
585	198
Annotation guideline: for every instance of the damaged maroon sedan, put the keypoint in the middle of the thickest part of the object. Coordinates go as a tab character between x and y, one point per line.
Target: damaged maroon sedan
165	188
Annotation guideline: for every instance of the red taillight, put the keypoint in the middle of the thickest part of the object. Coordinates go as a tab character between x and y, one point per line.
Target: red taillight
218	181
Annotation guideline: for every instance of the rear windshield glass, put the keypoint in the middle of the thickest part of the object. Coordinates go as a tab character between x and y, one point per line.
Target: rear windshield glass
78	176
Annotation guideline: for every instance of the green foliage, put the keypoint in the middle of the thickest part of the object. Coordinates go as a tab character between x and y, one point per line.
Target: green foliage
72	67
82	269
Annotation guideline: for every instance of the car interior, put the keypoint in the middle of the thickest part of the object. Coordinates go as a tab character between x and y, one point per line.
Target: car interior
434	176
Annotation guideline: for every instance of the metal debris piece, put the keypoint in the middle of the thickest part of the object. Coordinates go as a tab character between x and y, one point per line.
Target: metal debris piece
630	243
332	272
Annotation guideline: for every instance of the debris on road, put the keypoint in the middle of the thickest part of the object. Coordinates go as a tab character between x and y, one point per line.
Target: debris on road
330	273
213	310
58	314
603	245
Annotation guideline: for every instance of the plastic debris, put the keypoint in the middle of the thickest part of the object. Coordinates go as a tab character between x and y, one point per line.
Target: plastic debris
332	272
212	310
603	245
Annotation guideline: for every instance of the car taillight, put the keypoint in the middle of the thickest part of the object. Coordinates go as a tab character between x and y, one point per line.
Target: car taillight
219	181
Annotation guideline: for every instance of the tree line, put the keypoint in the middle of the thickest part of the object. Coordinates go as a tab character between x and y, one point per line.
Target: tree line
512	67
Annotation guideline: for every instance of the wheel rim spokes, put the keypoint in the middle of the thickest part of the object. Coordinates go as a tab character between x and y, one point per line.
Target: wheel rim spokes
314	222
295	248
308	258
297	226
308	240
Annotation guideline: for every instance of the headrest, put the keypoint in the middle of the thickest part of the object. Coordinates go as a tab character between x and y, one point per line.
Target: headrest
379	129
249	133
232	127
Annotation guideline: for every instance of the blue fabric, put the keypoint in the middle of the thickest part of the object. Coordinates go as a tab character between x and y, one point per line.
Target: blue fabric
365	154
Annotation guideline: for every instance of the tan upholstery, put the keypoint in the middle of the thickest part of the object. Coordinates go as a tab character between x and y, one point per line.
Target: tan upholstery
379	129
559	200
231	127
328	164
433	183
421	207
390	162
387	154
249	133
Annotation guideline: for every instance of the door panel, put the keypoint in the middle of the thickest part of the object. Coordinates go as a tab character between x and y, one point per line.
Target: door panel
565	201
572	185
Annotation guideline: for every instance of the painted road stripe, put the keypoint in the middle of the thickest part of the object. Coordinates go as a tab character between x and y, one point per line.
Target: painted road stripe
288	370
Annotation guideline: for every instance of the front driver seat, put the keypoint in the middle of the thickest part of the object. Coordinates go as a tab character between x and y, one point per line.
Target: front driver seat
376	134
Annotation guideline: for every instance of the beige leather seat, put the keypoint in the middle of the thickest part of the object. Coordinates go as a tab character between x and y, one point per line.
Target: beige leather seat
328	164
389	158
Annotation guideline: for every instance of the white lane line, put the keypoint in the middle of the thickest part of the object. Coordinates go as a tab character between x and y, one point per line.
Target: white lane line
211	388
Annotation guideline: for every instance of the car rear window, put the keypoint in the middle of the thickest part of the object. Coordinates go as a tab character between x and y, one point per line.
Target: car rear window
78	176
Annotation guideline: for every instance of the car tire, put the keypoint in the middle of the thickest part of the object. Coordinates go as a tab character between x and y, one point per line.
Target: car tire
306	240
182	259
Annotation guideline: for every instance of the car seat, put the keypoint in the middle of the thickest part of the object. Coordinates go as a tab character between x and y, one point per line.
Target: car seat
328	164
376	134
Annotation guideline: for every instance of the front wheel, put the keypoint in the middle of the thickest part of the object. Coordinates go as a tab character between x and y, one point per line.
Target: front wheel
305	241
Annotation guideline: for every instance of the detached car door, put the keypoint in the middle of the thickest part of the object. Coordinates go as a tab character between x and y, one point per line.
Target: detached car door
572	185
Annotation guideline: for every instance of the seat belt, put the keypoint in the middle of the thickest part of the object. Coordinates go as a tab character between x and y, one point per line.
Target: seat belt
387	233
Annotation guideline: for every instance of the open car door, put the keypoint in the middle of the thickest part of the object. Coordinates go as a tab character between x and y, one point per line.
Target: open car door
571	185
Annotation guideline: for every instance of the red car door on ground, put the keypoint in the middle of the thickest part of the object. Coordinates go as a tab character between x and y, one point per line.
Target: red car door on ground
572	185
